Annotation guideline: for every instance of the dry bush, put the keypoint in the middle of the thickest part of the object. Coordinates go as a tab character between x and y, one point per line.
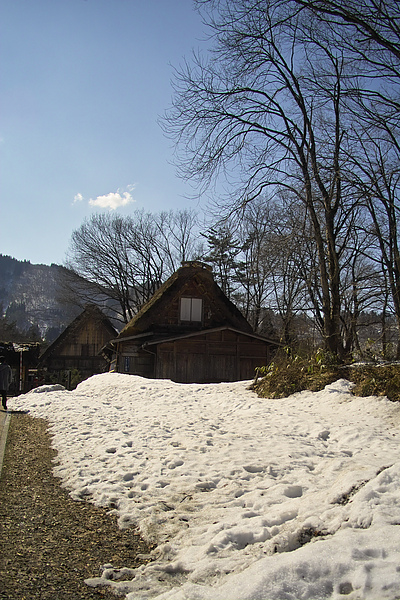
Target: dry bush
376	380
290	373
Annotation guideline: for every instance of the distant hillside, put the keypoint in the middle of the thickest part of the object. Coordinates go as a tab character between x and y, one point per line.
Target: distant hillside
31	295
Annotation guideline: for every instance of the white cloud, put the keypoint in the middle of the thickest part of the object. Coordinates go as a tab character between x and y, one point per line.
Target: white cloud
78	198
114	200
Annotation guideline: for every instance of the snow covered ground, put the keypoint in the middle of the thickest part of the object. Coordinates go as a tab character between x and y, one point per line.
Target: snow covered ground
247	498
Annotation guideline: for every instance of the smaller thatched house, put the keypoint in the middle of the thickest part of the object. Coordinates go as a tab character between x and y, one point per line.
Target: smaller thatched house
190	332
78	347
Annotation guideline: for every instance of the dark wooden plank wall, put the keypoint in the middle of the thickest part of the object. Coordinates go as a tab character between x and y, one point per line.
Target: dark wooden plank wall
220	356
86	341
80	350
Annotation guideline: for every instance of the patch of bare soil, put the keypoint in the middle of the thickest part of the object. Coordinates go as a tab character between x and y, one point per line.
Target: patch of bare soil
49	543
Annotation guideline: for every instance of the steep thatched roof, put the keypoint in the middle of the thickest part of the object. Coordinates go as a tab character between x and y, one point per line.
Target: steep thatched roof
91	312
190	274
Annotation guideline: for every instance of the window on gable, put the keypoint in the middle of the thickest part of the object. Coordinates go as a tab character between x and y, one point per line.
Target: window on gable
191	309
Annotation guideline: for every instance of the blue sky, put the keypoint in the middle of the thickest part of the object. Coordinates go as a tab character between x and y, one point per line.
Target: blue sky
82	84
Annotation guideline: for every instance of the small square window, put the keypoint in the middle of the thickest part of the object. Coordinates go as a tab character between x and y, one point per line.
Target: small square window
191	309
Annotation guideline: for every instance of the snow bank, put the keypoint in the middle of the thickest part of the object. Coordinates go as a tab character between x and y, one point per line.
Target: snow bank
246	498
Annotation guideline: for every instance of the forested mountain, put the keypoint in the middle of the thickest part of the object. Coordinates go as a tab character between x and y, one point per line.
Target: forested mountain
31	299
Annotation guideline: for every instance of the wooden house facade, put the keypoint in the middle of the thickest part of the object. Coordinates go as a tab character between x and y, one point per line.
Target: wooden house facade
190	332
79	346
22	358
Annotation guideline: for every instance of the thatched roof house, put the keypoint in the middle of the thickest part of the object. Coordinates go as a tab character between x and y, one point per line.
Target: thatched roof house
189	331
79	346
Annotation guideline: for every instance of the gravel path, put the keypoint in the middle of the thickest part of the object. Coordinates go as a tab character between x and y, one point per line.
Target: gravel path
49	543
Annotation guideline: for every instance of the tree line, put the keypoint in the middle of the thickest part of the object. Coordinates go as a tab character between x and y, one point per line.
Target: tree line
296	112
299	100
264	263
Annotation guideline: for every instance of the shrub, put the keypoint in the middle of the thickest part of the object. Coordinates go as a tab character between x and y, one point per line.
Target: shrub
376	380
290	373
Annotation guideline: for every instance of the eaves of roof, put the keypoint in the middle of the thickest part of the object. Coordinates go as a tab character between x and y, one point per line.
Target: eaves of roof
206	331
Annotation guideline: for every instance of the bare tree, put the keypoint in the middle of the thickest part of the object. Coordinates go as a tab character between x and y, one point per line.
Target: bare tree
267	270
255	267
119	262
98	263
368	32
377	176
266	112
178	236
363	26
